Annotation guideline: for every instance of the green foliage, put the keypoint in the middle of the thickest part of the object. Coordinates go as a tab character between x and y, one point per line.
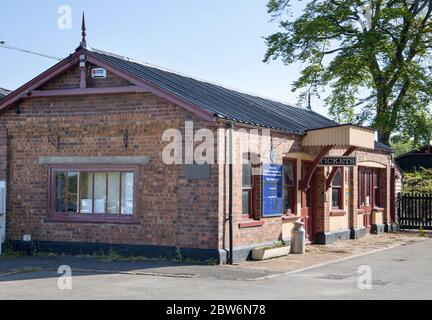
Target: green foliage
377	69
112	255
9	252
402	145
419	181
179	255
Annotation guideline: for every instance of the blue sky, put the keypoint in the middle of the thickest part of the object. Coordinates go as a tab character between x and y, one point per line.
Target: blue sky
216	40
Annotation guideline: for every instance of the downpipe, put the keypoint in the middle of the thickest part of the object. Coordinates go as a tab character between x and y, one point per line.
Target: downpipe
230	198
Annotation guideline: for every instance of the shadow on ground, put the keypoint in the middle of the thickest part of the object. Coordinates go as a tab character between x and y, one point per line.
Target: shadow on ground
26	268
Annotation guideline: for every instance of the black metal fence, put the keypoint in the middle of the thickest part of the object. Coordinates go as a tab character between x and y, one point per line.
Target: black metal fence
414	210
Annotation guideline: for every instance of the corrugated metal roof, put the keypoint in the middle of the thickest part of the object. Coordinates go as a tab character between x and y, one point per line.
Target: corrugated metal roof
382	147
220	101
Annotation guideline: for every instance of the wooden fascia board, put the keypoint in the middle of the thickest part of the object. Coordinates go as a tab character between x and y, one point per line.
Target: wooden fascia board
44	77
86	91
227	122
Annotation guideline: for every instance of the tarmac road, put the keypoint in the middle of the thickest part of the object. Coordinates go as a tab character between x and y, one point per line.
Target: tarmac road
403	272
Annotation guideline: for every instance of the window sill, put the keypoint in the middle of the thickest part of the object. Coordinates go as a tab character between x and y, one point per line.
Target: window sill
92	220
337	213
377	209
360	211
251	224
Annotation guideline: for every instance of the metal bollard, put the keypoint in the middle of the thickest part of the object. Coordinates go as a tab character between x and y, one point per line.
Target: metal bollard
298	238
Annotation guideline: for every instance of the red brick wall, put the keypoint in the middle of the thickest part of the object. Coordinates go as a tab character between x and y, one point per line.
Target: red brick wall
111	80
171	211
71	79
67	80
322	220
354	198
272	227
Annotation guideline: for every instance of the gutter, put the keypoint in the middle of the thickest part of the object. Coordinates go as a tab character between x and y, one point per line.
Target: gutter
220	119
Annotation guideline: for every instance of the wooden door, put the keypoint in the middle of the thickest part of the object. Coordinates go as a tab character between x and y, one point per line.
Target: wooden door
366	194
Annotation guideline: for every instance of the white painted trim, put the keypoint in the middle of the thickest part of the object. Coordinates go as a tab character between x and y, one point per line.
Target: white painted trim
371	164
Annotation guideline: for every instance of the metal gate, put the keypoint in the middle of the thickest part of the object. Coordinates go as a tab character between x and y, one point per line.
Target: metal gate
414	211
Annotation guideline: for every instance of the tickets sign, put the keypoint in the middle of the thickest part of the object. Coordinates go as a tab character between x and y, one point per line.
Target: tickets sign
338	161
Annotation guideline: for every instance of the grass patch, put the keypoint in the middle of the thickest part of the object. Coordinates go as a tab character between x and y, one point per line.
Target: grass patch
111	256
25	270
179	256
10	253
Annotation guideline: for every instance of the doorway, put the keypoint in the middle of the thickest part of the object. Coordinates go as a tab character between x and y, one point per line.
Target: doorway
365	193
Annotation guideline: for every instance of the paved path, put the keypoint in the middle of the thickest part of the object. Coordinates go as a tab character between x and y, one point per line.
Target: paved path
401	273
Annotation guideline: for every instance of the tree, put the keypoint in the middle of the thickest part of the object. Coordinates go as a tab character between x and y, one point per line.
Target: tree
401	145
418	181
373	56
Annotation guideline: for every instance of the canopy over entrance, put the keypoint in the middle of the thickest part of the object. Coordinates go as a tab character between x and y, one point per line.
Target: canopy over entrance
347	135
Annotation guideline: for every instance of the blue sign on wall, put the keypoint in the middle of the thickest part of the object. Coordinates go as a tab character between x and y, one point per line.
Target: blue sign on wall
272	190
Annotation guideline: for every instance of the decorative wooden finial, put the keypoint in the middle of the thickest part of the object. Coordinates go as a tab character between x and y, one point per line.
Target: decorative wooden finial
84	34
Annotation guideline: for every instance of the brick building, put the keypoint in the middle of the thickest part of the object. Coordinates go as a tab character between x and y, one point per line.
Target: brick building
81	149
